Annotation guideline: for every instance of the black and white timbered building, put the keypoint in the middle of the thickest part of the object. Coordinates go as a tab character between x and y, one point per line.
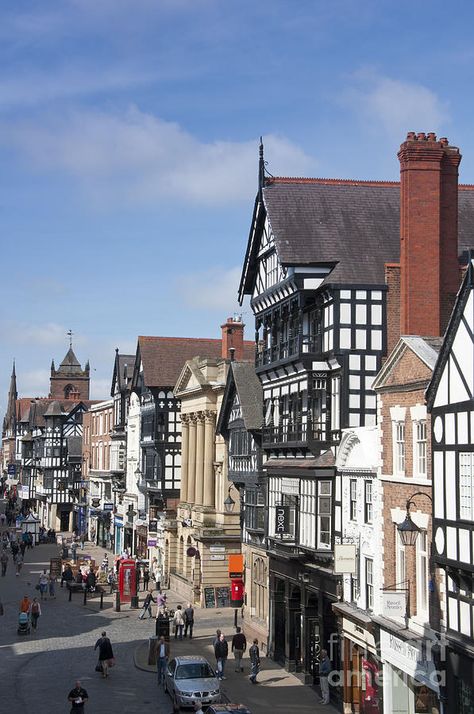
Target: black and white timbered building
450	399
240	423
314	271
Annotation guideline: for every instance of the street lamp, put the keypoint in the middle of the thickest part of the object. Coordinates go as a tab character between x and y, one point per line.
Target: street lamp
229	502
408	529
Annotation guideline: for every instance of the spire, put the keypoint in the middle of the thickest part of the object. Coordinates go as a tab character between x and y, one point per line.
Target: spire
53	368
10	418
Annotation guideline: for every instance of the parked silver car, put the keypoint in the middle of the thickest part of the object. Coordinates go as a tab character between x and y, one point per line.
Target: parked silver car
191	679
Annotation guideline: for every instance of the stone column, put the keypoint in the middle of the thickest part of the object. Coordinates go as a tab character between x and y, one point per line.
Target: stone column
184	457
209	450
192	460
200	459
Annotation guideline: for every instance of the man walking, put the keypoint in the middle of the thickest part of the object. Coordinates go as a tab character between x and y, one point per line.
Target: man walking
147	606
254	654
239	645
78	697
221	650
162	657
189	621
105	653
4	562
324	670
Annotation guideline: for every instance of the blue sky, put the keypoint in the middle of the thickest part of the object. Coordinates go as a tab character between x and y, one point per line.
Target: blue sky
129	145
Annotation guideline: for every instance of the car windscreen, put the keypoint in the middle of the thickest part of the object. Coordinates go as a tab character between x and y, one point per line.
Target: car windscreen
194	670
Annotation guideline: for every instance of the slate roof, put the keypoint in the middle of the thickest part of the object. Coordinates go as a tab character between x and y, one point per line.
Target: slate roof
249	389
354	225
70	364
163	357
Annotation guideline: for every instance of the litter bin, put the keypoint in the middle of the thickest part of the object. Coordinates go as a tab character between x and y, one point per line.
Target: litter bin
152	650
162	628
134	602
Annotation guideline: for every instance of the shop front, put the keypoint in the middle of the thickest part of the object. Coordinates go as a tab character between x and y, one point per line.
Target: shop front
361	674
410	678
302	621
460	680
141	548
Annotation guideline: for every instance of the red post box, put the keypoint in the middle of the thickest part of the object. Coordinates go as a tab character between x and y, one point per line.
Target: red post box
127	580
237	593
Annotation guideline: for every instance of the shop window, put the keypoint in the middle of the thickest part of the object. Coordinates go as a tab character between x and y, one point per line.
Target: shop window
259	588
324	514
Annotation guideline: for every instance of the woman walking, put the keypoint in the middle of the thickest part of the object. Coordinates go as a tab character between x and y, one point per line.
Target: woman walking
43	583
106	654
35	613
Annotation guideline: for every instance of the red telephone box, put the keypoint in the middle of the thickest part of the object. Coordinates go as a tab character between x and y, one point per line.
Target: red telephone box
236	593
127	580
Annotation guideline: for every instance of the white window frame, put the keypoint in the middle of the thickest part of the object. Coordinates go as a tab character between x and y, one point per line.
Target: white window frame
399	448
324	496
353	499
369	583
307	521
422	577
368	501
466	485
420	449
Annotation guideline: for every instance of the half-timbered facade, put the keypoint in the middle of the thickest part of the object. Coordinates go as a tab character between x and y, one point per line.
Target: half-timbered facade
96	448
240	423
450	399
321	257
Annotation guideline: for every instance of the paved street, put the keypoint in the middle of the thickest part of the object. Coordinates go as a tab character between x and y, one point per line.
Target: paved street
38	670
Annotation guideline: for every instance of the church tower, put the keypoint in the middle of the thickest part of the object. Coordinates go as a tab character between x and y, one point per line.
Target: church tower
70	381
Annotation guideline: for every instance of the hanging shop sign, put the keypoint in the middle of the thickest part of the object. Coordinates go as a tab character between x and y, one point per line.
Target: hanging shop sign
282	521
345	559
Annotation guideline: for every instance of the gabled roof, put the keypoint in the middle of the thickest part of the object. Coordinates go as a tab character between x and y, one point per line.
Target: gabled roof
352	226
163	357
120	375
34	410
450	334
425	348
70	363
242	379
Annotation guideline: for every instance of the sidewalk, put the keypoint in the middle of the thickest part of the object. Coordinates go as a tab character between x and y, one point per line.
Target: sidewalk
278	691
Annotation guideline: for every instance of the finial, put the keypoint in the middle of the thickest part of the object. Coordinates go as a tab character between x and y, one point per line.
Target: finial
261	166
70	334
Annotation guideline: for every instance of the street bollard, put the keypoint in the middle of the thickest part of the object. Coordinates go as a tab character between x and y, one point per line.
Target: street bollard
102	600
117	601
85	596
70	594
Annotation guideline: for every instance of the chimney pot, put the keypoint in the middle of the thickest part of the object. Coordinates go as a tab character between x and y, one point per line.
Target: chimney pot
411	136
444	141
421	136
431	136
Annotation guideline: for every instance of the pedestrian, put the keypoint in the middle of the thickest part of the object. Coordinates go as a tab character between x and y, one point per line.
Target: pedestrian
162	657
30	541
18	563
221	650
35	613
239	645
161	599
78	697
324	670
83	540
146	577
106	655
25	604
254	654
4	562
67	575
189	621
23	547
52	586
147	606
74	552
91	580
178	622
43	583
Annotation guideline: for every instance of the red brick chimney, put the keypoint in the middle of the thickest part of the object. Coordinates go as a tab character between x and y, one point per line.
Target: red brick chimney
233	338
429	269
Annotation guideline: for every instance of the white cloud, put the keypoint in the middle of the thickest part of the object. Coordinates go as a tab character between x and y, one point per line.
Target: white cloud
49	333
139	157
213	289
398	106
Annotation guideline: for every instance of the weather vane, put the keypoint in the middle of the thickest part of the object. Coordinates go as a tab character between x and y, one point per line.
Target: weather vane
70	334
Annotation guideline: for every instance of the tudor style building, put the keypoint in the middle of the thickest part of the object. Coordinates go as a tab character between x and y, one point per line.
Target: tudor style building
321	257
450	400
240	423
